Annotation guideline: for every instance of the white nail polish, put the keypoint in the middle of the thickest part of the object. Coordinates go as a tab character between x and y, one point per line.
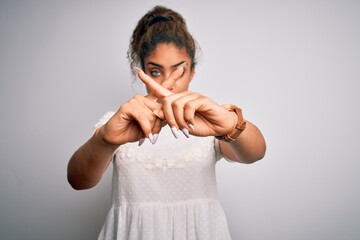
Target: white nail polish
137	69
151	138
191	126
174	132
156	136
186	132
183	64
141	141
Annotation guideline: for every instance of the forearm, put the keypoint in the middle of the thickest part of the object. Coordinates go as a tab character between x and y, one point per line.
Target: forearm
89	162
249	147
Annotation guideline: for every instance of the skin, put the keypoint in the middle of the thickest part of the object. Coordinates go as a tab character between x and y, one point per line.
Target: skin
167	75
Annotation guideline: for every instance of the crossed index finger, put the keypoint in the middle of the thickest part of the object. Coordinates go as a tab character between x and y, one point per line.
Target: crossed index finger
174	76
158	90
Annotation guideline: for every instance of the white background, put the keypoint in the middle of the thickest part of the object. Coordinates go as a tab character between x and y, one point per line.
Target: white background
293	66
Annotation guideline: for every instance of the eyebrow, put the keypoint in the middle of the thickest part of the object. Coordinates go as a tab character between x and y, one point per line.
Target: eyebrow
160	66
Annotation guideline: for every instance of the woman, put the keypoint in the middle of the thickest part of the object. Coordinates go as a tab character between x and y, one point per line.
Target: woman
165	187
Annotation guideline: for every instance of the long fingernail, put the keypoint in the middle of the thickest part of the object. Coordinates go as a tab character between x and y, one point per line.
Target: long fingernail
156	136
151	138
186	132
137	69
183	64
174	132
191	126
141	141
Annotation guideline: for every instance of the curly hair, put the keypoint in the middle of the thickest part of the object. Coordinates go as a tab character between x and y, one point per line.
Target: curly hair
160	25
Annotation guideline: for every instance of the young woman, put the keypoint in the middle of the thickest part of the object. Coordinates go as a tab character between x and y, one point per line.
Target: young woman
164	146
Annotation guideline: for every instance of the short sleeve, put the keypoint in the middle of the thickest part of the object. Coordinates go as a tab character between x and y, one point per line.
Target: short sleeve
103	120
218	154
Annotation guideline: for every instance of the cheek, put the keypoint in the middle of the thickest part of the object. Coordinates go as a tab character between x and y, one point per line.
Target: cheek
158	79
183	83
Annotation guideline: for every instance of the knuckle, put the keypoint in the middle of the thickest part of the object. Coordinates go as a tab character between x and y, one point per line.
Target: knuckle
126	107
138	97
189	107
141	116
196	94
202	97
176	106
156	92
169	119
188	118
166	101
152	118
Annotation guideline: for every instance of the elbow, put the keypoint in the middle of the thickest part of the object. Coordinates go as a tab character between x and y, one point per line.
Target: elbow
76	187
252	159
75	184
258	157
255	156
261	153
80	179
78	183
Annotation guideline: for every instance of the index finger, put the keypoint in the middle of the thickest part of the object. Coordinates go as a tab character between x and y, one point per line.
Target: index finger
158	90
175	75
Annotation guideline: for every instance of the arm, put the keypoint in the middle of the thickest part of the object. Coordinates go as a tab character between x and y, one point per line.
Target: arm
249	147
186	109
133	121
88	164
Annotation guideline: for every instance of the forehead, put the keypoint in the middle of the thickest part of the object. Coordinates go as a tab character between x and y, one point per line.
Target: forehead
167	54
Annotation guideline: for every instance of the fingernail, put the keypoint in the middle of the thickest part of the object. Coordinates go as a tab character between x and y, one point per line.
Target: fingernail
174	132
191	126
151	138
156	136
183	64
141	141
186	132
137	69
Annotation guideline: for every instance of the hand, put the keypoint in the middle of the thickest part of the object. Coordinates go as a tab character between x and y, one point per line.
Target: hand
135	120
191	112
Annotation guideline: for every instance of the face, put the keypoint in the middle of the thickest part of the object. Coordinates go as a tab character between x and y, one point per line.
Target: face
164	60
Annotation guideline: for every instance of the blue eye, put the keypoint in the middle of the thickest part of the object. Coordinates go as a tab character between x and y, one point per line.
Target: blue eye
155	73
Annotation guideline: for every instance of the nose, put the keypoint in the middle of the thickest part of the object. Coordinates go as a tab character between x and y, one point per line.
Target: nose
167	82
165	76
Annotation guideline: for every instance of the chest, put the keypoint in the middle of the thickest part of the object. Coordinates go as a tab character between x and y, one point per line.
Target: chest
168	153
